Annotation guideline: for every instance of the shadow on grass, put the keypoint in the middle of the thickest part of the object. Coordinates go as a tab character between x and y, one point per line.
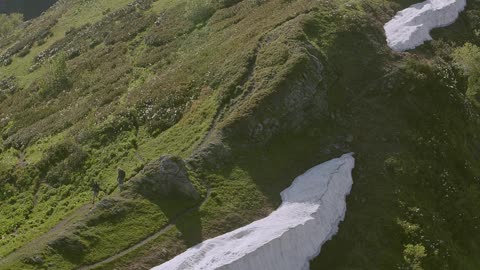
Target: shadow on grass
184	214
274	167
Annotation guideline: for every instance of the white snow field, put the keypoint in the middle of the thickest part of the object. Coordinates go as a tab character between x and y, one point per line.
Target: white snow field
311	209
411	27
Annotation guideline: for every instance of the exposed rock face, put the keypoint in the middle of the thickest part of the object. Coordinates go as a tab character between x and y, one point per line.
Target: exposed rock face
213	155
411	27
290	237
294	95
296	101
165	176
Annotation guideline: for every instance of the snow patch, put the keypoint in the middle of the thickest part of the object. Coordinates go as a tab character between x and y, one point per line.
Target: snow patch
311	209
411	27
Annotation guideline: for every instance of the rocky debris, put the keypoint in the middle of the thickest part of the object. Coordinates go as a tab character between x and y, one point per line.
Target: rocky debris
163	177
34	260
23	45
33	67
8	85
25	50
6	62
6	59
45	55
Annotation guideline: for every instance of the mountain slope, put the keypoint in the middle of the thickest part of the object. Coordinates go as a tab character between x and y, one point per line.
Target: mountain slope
250	94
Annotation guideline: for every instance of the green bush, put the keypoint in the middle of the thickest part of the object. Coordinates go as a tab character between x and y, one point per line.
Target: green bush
67	156
63	172
9	22
467	58
413	255
227	3
199	11
57	78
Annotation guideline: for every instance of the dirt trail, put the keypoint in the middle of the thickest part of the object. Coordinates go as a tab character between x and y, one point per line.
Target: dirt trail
64	224
148	239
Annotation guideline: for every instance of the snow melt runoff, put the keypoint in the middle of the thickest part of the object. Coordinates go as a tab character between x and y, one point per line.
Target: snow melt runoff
311	209
411	27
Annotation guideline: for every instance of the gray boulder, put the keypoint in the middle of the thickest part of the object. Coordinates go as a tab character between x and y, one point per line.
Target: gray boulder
164	177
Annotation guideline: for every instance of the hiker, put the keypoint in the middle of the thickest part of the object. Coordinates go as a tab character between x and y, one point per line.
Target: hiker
120	178
96	190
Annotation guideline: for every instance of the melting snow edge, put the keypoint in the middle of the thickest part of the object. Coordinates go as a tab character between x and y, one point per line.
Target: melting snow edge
411	27
311	210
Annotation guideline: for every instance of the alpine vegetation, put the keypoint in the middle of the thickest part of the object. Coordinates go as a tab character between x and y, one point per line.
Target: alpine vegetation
134	130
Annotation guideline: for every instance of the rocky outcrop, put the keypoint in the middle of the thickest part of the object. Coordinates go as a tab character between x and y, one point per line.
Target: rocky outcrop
290	237
411	27
284	92
70	246
163	177
8	85
292	103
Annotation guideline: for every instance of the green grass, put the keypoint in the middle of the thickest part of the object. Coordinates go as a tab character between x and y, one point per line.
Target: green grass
184	137
235	200
34	153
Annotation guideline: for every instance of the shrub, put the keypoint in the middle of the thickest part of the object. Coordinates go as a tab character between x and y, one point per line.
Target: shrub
9	22
467	59
413	255
199	11
57	78
67	156
69	246
109	130
63	172
227	3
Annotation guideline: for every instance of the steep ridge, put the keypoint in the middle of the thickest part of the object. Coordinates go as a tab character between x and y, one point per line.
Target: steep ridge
287	239
411	27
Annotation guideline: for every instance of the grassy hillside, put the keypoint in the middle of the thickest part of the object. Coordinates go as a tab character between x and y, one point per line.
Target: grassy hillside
250	94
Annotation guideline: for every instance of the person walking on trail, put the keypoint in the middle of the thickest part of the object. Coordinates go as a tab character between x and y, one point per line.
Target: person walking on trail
96	190
120	178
